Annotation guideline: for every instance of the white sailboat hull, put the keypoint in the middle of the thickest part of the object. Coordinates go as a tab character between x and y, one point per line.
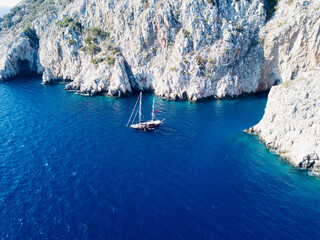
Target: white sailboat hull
148	125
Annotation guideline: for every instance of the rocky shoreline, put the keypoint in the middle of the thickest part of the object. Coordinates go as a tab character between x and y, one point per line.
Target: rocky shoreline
179	49
291	123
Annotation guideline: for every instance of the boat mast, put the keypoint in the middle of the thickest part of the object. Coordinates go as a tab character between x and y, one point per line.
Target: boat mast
153	110
132	114
140	107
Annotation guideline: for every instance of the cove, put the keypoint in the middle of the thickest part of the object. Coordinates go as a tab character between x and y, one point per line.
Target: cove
70	169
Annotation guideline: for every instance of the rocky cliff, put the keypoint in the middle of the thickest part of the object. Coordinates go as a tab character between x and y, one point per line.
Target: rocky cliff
290	125
179	49
291	41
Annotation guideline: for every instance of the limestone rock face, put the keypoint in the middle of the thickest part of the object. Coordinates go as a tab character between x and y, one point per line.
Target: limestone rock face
180	49
291	123
19	57
103	79
291	40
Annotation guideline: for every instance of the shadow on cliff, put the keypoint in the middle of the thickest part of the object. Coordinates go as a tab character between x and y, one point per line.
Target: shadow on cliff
24	71
270	72
24	76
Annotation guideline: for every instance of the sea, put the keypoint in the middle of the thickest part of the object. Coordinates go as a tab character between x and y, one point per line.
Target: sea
71	169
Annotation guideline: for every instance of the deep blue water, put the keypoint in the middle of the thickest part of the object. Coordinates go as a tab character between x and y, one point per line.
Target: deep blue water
70	169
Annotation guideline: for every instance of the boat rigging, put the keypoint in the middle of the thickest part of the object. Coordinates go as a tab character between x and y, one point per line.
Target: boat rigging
143	125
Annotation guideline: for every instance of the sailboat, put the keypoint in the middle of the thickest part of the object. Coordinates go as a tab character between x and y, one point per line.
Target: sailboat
143	125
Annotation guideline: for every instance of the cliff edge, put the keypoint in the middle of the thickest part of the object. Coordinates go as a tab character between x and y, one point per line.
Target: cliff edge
179	49
290	125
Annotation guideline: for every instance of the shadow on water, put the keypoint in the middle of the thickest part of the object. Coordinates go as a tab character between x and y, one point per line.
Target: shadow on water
23	77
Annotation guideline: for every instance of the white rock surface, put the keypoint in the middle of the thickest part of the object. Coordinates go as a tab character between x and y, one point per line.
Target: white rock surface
113	81
291	40
18	56
180	49
291	123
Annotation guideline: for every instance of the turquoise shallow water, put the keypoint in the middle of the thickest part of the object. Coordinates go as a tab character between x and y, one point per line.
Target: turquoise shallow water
70	169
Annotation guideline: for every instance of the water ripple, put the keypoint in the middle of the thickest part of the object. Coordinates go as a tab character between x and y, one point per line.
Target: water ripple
70	169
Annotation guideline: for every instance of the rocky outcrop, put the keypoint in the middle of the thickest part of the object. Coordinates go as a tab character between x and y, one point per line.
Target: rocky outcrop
103	79
291	40
180	49
291	123
20	56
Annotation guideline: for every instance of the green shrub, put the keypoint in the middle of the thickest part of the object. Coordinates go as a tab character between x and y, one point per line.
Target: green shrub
76	26
90	40
178	13
96	61
107	36
7	22
65	22
69	22
186	33
115	51
97	32
71	41
110	60
32	35
93	49
83	49
261	40
200	61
